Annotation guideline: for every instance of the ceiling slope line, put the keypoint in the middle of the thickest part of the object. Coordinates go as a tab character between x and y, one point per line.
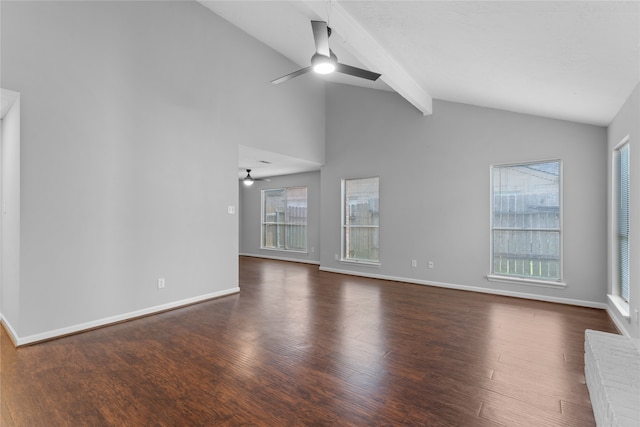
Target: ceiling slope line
373	56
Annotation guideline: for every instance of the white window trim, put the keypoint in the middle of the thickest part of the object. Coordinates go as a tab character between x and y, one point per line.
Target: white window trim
262	223
560	284
525	281
365	263
353	261
619	303
292	251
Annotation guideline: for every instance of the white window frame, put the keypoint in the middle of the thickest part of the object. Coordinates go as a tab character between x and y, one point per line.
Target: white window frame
615	297
264	223
343	226
554	283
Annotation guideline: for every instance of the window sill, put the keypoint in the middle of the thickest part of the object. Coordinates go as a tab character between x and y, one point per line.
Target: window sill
284	250
363	263
523	281
621	305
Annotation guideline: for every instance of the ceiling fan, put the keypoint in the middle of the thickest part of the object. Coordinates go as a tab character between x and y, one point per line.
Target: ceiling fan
249	180
324	61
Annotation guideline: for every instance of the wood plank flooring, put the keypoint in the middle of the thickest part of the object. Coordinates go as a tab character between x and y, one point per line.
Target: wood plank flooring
302	347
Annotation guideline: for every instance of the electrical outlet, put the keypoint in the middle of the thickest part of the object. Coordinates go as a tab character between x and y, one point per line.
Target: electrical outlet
161	283
430	264
336	256
414	263
637	317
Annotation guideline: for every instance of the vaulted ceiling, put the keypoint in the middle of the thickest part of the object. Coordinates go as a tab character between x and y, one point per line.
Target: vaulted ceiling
570	60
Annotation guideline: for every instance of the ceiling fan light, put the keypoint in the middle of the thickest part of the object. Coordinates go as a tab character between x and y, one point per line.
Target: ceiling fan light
324	68
248	180
324	65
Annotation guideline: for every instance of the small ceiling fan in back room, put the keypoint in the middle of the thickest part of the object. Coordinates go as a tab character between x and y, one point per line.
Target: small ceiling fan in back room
249	180
324	61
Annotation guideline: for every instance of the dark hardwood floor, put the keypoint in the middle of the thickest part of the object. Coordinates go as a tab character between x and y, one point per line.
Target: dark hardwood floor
302	347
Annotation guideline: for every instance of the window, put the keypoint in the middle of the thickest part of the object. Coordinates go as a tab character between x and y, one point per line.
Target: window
284	219
526	221
361	220
622	218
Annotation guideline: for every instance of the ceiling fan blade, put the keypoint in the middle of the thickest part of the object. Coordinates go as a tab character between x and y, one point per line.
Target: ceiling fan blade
291	75
357	72
321	37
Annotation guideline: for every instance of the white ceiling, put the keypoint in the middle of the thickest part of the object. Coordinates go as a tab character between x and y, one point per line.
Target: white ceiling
264	163
569	60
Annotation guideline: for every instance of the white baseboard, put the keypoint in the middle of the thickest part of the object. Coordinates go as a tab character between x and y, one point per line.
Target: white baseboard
514	294
621	327
12	332
277	258
19	341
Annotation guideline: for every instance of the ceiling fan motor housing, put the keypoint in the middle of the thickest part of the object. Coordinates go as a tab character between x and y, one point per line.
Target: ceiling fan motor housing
322	61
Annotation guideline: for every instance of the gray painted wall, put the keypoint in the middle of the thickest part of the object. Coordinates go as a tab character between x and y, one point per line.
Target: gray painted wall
434	188
627	122
250	221
132	113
